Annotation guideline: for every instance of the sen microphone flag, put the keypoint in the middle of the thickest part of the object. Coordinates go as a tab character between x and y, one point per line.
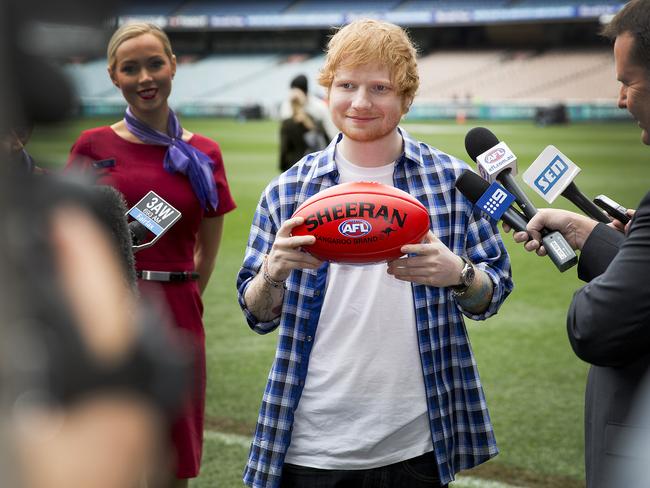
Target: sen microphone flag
551	173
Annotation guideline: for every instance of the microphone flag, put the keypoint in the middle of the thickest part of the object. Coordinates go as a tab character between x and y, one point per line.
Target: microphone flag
551	173
155	214
495	201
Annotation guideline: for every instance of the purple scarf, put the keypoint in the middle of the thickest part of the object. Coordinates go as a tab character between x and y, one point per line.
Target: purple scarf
180	156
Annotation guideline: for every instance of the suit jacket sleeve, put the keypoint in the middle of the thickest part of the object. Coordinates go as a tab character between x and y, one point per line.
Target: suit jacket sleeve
598	252
609	318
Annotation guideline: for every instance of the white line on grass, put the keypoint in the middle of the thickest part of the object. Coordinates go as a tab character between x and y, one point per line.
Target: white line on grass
245	442
469	482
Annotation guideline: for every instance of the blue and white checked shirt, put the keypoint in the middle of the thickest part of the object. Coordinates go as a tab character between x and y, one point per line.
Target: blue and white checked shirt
460	423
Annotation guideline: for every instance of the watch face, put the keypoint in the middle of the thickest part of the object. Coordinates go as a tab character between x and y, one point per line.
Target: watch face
467	274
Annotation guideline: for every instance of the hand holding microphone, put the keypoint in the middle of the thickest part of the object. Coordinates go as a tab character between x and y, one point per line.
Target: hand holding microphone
575	228
496	162
495	201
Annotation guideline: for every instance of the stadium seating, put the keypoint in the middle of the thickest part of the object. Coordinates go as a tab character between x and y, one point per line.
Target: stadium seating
159	7
462	77
253	7
524	76
555	3
268	88
241	7
209	82
90	79
316	6
450	4
219	74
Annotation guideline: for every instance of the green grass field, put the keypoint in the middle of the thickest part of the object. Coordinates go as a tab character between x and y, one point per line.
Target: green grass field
533	382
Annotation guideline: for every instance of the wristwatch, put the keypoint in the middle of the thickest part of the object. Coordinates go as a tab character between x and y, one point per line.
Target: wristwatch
467	276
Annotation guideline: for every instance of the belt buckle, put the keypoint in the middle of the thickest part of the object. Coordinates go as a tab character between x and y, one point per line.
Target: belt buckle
155	275
167	276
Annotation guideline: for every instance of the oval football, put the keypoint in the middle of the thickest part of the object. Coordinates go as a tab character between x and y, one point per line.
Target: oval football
361	222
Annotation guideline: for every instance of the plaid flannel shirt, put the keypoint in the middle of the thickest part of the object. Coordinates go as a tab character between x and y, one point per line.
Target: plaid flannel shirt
461	430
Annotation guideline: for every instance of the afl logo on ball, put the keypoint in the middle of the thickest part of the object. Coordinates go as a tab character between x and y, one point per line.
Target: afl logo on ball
354	228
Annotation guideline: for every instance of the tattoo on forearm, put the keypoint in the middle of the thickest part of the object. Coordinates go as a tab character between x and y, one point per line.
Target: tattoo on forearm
264	301
480	294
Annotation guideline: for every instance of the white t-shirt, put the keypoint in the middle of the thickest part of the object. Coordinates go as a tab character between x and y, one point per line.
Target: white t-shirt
363	404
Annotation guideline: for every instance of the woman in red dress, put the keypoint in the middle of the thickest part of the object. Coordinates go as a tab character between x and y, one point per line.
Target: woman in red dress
148	150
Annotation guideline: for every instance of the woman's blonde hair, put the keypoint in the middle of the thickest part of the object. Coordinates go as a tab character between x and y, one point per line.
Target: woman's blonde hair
129	31
297	100
372	41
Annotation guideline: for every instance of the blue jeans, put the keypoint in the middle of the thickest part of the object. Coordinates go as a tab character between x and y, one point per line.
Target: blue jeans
418	472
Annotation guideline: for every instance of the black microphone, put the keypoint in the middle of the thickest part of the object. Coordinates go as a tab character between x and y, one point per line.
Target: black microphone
476	188
580	200
110	207
139	233
496	162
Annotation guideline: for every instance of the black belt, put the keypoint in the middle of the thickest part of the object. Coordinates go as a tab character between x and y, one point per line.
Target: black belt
167	275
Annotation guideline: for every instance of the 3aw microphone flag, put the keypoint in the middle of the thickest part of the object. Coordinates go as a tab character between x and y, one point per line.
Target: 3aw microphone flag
155	214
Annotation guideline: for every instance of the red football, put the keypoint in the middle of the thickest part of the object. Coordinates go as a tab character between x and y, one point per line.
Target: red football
361	222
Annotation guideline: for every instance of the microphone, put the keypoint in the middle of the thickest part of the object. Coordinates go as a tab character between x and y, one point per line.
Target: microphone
497	206
496	201
110	207
496	162
153	216
552	174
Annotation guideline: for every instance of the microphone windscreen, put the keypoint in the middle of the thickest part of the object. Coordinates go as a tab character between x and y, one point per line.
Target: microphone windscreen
139	233
478	140
111	209
471	185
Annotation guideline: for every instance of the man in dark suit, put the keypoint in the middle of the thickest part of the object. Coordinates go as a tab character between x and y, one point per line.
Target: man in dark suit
609	319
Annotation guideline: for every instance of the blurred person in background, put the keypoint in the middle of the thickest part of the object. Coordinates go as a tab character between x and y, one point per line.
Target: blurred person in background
315	107
299	134
609	318
351	399
149	150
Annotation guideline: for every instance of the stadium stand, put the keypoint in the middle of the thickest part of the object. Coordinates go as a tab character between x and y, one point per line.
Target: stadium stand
245	67
524	76
268	88
217	84
217	74
451	4
241	7
91	79
162	7
317	6
541	3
